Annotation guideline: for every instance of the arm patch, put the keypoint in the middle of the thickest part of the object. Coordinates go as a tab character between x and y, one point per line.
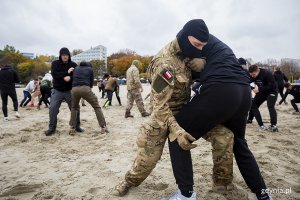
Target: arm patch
162	80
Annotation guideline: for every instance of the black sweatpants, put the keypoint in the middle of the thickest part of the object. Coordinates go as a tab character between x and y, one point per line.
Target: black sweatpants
46	93
226	104
109	94
259	99
280	90
57	97
4	96
293	102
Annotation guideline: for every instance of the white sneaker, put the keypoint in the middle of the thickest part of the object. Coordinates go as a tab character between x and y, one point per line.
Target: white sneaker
6	119
178	196
262	128
17	114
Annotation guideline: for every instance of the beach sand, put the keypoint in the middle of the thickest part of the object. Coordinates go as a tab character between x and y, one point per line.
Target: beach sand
89	165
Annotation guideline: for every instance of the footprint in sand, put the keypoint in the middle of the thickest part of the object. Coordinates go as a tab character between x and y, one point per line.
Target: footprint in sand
157	186
95	190
20	189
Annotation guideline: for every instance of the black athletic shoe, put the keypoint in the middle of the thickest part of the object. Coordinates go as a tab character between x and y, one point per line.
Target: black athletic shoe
249	121
273	128
79	130
49	132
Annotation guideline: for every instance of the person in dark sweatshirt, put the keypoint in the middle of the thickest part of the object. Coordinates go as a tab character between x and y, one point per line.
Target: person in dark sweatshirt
293	90
280	79
224	98
62	73
265	90
8	78
82	85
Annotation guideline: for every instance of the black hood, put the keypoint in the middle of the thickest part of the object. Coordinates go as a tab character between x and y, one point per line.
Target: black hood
64	50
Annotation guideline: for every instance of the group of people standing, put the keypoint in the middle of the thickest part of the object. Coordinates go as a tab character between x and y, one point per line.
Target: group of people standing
218	111
266	87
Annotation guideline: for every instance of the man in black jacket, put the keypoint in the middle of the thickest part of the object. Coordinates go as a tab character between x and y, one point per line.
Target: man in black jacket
8	78
62	72
293	90
280	79
265	90
224	98
83	79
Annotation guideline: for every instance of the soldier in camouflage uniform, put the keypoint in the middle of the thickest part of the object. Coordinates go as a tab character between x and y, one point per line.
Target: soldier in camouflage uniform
135	89
170	74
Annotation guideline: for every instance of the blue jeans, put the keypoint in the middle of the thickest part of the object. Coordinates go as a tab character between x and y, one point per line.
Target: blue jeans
26	99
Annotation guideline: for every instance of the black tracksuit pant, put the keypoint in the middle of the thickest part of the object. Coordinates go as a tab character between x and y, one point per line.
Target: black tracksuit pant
226	104
46	93
4	96
293	102
256	103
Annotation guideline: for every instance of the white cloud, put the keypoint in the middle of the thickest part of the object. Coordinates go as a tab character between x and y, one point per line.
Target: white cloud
252	28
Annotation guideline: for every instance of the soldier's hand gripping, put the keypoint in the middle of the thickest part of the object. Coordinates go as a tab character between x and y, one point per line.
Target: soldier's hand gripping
184	140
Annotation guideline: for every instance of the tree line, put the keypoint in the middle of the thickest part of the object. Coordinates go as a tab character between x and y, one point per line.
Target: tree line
117	64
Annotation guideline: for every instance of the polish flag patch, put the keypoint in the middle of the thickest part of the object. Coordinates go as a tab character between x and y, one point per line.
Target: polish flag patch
167	75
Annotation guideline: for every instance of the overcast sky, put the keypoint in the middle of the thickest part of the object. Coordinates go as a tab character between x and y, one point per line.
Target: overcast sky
257	29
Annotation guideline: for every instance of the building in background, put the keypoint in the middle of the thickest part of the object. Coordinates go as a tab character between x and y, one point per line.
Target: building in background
28	55
94	53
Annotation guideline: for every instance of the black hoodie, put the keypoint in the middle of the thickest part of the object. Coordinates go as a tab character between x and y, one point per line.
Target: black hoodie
8	78
59	70
221	64
280	78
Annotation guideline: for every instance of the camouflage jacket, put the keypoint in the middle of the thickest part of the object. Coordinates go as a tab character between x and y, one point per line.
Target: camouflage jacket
170	88
133	78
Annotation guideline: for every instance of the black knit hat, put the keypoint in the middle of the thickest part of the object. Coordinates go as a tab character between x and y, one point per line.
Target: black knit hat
196	28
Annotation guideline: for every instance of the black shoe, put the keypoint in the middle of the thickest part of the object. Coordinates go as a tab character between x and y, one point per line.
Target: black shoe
273	128
79	130
49	132
249	121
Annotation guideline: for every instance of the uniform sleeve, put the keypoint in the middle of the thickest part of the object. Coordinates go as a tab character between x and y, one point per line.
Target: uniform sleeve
136	77
161	91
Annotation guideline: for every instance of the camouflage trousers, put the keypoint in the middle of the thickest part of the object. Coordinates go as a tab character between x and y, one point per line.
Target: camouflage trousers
135	95
151	140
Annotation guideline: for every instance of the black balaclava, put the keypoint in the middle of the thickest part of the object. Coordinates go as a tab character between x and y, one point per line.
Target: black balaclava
196	28
64	50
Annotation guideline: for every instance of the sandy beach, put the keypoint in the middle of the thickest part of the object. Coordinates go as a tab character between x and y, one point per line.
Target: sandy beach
88	165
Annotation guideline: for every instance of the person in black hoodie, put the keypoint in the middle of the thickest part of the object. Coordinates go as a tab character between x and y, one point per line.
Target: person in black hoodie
83	79
8	78
280	79
265	90
62	73
224	98
293	90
